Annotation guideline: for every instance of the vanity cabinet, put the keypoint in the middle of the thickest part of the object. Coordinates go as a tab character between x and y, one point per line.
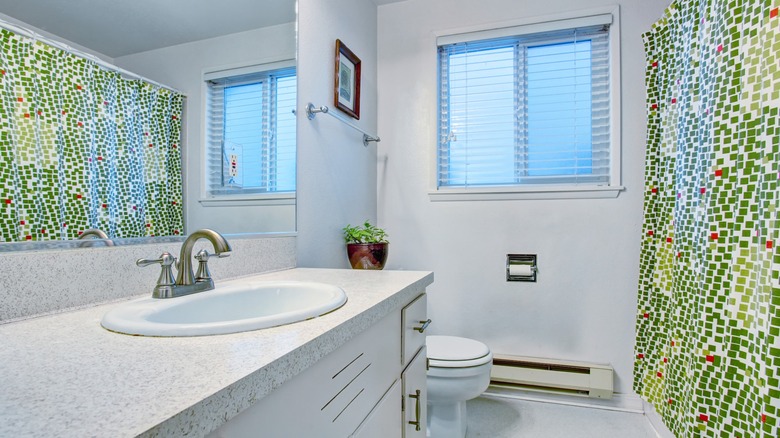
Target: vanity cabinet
362	389
410	389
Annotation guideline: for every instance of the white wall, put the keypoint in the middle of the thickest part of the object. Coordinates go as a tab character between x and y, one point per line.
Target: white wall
336	174
182	67
583	305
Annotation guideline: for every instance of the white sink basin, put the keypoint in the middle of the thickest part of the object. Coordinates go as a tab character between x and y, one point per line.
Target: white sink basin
234	306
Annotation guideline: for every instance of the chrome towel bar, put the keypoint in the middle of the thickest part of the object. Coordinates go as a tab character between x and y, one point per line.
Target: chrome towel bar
311	112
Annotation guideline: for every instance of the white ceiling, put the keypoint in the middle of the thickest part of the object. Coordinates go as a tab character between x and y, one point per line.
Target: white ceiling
121	27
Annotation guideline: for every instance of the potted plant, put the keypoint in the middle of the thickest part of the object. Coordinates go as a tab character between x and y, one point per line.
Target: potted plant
367	246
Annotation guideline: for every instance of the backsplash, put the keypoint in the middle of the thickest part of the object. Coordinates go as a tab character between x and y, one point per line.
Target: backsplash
44	282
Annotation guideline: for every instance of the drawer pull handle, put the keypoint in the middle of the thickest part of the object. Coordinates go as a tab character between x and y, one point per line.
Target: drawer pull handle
424	325
416	396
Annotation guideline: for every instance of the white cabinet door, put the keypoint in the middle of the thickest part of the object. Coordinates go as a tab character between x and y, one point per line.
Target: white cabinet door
414	323
383	421
415	396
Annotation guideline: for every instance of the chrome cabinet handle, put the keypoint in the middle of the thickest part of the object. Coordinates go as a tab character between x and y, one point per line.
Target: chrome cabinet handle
424	325
416	396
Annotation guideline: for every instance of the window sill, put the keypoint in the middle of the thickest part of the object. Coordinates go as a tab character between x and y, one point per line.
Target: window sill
287	198
512	193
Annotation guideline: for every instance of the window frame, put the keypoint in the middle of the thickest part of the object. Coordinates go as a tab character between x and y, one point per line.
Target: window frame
250	197
540	191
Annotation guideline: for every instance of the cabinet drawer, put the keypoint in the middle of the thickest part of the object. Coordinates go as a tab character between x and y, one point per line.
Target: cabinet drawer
414	322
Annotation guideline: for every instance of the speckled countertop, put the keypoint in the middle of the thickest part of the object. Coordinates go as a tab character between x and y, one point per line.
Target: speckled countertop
64	375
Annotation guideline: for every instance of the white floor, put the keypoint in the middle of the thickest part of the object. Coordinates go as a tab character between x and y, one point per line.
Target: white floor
499	417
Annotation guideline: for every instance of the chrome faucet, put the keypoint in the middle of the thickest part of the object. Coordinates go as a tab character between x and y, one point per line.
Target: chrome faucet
94	233
221	248
186	283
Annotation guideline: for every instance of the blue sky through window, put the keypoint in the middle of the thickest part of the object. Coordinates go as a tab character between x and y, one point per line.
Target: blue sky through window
482	108
285	133
263	138
559	109
518	111
244	131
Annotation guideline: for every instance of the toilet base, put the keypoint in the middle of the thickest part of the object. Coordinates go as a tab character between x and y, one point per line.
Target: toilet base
446	420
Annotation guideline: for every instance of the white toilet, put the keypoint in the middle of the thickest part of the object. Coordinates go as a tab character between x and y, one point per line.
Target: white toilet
458	370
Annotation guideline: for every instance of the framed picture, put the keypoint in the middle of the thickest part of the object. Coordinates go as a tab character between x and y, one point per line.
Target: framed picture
347	90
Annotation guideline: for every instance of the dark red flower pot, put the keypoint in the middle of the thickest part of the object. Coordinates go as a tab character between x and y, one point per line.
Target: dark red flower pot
367	255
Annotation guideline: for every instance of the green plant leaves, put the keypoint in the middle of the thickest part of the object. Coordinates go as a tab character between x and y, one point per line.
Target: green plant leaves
366	234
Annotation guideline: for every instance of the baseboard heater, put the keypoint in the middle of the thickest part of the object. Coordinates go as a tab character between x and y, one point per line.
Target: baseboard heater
550	375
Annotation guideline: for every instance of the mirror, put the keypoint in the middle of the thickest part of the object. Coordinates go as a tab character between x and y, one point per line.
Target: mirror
178	43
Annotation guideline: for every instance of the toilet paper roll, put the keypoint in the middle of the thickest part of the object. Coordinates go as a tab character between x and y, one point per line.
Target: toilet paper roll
521	270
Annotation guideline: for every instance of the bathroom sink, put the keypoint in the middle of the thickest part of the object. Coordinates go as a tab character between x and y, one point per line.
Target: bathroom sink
233	306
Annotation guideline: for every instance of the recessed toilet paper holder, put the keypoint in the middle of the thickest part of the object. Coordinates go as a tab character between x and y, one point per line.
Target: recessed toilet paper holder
521	267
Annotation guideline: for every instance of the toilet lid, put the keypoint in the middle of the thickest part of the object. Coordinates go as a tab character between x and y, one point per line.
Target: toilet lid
455	352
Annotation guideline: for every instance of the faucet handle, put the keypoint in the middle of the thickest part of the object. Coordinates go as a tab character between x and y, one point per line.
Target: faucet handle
166	259
165	283
203	273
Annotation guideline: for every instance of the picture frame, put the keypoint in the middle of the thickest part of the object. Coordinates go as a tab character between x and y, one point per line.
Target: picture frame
346	96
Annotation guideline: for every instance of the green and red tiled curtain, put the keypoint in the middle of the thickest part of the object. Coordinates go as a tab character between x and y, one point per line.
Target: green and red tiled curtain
708	320
82	147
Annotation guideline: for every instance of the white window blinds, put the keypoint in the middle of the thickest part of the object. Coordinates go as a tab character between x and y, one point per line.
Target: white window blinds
251	133
525	109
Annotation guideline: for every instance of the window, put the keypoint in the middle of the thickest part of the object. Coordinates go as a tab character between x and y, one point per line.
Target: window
251	132
527	107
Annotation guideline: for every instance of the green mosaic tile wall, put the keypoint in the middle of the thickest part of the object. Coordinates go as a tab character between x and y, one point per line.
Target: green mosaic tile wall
708	320
82	147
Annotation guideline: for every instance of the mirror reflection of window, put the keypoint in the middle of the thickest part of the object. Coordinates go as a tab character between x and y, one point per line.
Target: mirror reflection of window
252	138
